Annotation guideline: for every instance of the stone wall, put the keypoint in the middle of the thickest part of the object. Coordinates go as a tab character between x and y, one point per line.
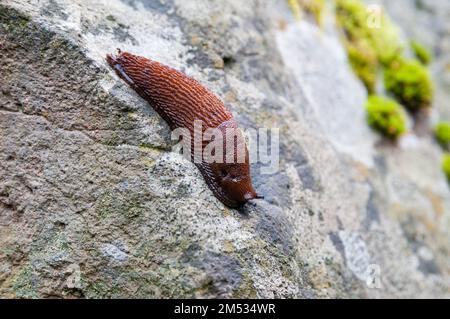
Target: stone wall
93	203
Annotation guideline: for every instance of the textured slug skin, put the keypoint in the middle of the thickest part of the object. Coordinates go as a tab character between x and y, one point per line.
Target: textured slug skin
180	100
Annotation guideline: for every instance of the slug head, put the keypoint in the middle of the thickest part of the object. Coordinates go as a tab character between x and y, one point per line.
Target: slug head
230	178
233	183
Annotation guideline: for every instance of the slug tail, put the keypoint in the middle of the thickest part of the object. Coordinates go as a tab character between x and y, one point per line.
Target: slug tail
114	62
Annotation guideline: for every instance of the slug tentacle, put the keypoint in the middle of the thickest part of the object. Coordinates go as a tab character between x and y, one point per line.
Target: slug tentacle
181	100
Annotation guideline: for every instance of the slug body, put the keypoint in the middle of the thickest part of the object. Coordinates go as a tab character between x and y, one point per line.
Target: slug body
180	100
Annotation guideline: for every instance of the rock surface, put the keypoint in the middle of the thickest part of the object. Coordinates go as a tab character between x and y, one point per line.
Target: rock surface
93	203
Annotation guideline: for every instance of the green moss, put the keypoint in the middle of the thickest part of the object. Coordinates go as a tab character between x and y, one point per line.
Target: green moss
364	63
315	8
410	83
369	46
357	21
373	43
385	116
295	8
446	165
312	7
422	53
442	133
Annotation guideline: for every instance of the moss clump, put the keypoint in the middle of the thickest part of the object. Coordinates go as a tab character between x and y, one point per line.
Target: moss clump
410	83
356	21
294	5
421	53
385	116
446	165
442	133
364	63
312	7
315	8
369	46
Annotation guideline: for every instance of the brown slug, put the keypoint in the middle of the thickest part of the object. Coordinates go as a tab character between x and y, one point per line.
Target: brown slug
180	100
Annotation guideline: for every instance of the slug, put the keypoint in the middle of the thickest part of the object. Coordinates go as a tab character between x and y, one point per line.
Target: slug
180	100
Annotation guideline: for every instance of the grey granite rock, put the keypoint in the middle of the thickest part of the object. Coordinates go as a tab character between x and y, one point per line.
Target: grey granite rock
93	203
